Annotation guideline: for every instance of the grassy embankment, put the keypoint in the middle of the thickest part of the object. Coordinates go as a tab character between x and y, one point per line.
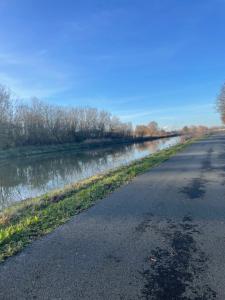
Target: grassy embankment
26	221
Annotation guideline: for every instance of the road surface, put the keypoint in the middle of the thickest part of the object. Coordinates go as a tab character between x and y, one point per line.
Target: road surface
162	236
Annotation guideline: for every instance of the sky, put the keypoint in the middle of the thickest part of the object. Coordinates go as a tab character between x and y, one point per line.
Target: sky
141	60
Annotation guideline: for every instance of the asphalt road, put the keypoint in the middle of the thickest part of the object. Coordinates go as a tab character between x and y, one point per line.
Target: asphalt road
160	237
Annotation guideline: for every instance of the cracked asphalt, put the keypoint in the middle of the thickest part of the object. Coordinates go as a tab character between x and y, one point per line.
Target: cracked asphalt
162	236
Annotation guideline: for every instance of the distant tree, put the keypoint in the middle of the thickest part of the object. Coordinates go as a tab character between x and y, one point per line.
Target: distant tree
221	103
185	130
162	132
6	117
153	128
141	130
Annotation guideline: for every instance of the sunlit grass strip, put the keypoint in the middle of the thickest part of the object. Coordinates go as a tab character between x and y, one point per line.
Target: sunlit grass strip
30	219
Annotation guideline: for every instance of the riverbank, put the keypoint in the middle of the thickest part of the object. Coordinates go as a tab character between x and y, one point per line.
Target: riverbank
27	151
30	219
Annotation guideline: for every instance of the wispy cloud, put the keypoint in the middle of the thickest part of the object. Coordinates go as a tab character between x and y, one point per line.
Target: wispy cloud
90	24
22	89
31	75
166	113
8	59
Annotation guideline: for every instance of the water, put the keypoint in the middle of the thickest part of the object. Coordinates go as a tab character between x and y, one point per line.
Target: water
30	177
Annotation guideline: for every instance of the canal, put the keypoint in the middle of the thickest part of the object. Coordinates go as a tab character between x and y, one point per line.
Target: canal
28	177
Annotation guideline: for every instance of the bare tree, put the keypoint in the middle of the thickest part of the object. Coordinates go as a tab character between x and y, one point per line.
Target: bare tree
153	128
141	130
6	116
221	103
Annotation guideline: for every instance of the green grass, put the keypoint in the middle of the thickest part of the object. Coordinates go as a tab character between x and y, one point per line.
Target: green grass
30	219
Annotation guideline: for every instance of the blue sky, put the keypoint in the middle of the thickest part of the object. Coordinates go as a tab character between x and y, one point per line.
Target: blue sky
142	60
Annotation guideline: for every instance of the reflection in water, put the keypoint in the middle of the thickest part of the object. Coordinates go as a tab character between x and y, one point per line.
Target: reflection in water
33	176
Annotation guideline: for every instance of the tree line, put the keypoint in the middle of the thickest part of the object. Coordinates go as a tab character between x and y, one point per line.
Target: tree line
39	123
195	130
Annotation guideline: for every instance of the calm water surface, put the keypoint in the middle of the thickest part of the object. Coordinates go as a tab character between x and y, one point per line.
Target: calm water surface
33	176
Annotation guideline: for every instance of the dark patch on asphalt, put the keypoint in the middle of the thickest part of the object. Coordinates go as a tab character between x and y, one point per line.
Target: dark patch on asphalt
113	258
222	168
223	179
145	224
174	270
196	189
222	156
187	219
206	164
